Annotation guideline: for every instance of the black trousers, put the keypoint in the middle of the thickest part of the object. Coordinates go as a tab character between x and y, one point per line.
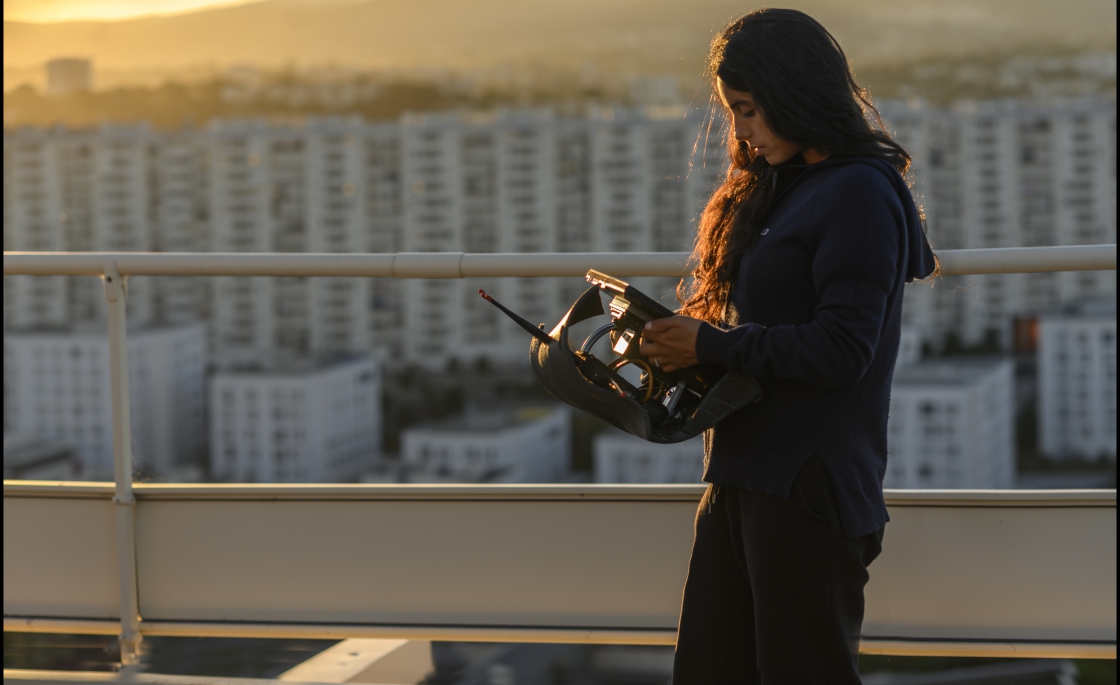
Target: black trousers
774	594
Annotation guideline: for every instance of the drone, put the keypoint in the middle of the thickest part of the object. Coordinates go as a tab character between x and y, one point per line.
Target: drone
663	406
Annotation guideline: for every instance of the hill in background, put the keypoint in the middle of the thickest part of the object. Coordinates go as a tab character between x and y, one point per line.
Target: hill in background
632	36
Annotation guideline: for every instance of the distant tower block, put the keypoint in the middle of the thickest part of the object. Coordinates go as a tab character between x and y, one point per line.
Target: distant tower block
66	75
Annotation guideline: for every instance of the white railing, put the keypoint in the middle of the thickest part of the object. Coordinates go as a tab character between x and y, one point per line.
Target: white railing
467	265
115	268
963	572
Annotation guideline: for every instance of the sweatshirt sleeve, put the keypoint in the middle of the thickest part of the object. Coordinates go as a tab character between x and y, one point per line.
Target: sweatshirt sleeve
854	272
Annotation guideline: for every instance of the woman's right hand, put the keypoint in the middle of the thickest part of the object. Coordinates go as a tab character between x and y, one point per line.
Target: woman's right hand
671	342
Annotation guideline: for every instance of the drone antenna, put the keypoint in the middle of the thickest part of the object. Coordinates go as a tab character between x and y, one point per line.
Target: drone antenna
517	319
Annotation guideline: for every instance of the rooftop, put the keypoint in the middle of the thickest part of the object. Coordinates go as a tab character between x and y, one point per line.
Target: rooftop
93	329
489	420
959	371
23	451
1097	308
290	366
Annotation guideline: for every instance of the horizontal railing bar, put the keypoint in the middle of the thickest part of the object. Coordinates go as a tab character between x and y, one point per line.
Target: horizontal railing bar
479	265
1001	498
313	631
520	492
400	265
1007	260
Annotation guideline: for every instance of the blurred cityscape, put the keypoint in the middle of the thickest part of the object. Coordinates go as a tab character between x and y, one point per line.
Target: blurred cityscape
1003	381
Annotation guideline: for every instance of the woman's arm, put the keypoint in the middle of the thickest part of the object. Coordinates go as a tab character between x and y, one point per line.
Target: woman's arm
854	272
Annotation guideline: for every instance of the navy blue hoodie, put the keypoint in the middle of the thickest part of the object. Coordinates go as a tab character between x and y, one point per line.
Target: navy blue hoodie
817	312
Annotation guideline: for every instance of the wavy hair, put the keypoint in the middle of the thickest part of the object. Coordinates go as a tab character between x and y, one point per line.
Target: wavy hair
800	81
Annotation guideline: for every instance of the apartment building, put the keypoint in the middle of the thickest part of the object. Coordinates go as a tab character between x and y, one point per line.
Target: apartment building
180	217
1008	174
109	189
384	196
988	174
56	387
524	445
623	458
952	425
306	420
121	206
34	220
1077	381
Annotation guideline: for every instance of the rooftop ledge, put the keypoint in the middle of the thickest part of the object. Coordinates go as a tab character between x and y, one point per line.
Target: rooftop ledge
963	572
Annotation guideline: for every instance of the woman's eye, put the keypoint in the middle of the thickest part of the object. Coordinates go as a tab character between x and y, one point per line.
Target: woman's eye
747	112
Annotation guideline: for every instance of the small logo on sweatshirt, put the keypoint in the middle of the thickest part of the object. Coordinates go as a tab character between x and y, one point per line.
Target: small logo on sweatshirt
765	231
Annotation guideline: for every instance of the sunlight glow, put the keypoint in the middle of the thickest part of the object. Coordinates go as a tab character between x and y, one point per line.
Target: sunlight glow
53	11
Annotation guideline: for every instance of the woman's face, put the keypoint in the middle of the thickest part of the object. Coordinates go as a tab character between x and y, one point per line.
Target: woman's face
751	128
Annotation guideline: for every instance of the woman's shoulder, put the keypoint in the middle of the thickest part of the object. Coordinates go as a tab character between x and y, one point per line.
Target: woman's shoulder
868	173
848	181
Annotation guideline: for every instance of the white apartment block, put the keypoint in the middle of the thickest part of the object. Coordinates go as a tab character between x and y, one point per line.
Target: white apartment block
623	458
300	421
1077	382
527	445
85	296
338	308
384	197
1008	174
121	206
34	220
952	425
180	219
241	200
287	189
988	174
80	191
57	386
533	181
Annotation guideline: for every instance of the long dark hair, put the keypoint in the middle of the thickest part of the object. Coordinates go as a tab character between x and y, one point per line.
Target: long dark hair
800	81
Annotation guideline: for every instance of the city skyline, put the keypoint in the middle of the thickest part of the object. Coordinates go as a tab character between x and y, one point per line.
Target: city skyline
998	174
572	178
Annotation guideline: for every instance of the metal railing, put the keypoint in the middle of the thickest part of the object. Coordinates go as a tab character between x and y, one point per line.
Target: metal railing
1005	573
115	268
468	265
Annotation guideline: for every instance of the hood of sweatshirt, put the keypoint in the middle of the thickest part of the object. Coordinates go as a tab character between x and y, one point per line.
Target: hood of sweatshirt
920	260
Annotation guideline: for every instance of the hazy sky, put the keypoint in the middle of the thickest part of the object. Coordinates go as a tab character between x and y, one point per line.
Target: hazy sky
69	10
618	36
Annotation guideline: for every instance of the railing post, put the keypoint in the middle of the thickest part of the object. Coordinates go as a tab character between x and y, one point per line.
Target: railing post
116	293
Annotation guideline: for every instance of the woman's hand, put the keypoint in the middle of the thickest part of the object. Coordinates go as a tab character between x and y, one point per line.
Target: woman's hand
671	342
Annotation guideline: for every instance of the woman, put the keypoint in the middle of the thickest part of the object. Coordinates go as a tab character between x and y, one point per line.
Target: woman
801	254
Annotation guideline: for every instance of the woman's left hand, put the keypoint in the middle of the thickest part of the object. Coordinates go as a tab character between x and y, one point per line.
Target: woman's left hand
671	342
